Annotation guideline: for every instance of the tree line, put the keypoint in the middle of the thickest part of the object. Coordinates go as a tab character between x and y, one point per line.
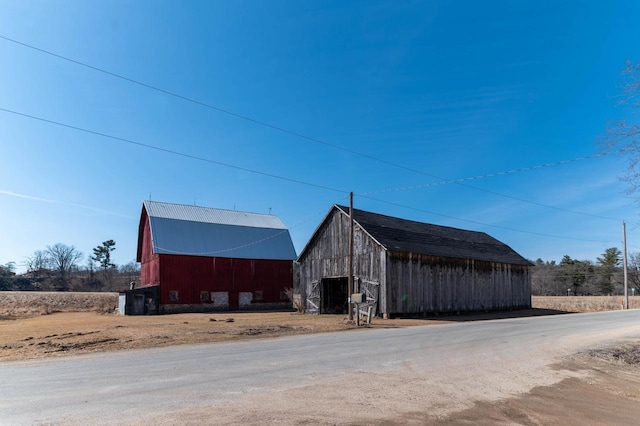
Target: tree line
59	267
584	277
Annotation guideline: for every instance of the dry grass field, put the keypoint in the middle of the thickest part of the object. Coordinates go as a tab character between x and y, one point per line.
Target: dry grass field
45	324
583	303
17	304
29	303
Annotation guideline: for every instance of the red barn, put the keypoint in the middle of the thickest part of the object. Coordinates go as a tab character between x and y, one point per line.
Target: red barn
200	258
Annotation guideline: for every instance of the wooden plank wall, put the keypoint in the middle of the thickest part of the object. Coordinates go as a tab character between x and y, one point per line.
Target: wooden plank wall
419	283
327	255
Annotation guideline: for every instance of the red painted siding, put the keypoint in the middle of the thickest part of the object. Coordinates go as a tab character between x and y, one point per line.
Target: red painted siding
189	275
150	262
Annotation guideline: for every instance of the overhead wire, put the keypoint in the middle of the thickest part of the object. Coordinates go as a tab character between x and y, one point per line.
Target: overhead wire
245	169
459	181
205	104
489	175
171	151
313	139
480	223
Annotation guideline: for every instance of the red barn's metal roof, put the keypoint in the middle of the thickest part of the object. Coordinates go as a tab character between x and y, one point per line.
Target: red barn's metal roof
203	231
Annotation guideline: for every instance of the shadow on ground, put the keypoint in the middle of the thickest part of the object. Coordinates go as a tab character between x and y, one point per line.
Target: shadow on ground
483	316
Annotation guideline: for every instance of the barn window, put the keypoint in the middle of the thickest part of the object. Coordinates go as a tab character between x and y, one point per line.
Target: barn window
204	297
173	296
258	295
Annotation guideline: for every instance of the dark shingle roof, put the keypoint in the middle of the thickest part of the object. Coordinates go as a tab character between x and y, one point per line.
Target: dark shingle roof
416	237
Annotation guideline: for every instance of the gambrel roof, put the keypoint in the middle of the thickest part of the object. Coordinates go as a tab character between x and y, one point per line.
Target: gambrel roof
409	236
204	231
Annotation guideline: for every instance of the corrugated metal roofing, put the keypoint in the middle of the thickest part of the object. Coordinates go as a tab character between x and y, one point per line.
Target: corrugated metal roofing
212	215
204	231
417	237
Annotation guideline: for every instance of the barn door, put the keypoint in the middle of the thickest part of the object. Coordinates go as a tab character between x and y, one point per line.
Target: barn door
313	301
234	301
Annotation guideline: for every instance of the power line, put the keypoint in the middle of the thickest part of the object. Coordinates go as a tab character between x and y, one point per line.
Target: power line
524	169
489	175
301	135
311	139
481	223
319	141
206	105
170	151
194	157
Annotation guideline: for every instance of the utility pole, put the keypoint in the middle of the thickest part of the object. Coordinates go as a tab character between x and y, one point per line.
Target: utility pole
624	264
350	272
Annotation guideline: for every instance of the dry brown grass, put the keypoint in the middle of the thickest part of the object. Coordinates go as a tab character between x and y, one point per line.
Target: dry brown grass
30	303
67	333
45	324
628	353
583	303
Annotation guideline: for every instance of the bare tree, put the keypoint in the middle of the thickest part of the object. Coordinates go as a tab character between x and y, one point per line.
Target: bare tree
295	299
131	269
37	264
63	260
39	260
543	279
623	136
634	270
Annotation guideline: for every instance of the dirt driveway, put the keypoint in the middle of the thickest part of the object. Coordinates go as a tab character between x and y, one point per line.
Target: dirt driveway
68	333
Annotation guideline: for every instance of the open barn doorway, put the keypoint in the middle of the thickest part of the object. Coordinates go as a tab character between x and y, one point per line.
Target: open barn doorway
334	295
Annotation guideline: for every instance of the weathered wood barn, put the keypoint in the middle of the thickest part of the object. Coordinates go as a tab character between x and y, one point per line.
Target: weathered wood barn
407	267
203	258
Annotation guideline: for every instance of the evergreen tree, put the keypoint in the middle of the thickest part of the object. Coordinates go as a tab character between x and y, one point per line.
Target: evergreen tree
607	265
102	254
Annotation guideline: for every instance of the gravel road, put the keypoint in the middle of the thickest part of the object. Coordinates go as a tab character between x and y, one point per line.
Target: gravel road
363	376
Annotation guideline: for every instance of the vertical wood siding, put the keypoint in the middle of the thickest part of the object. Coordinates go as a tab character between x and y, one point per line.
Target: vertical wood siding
418	283
412	283
327	254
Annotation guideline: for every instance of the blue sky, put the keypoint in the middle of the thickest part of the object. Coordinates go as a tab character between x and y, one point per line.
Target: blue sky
391	100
